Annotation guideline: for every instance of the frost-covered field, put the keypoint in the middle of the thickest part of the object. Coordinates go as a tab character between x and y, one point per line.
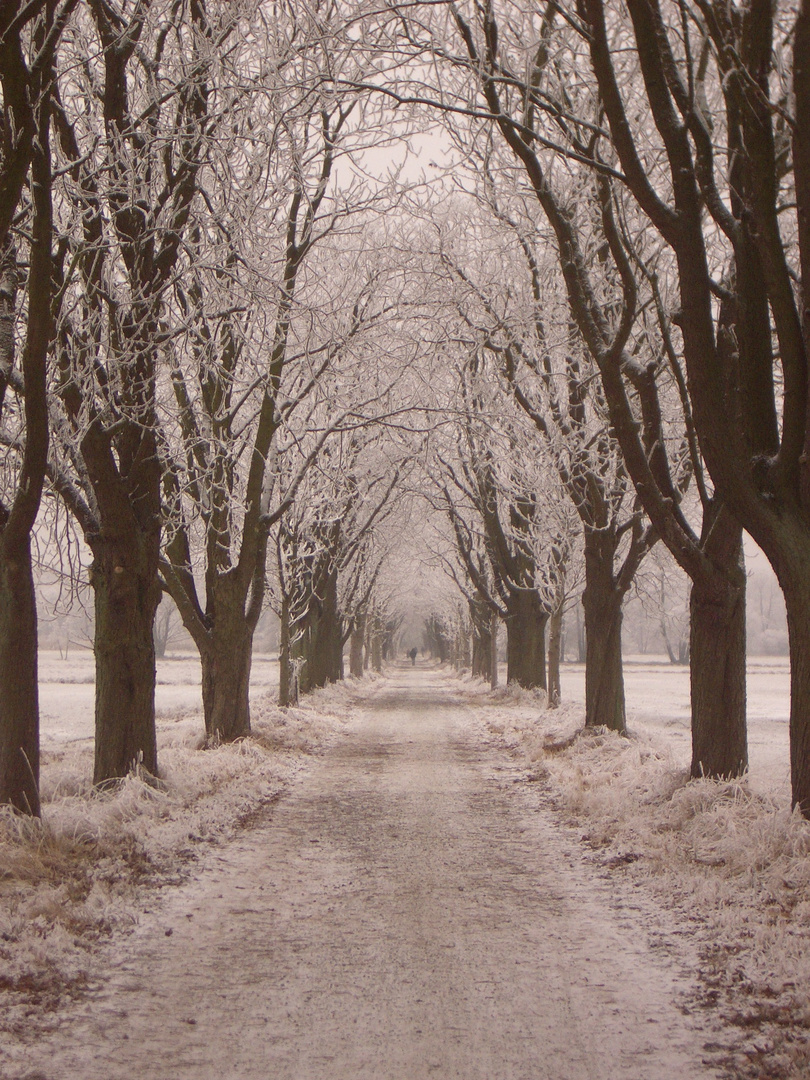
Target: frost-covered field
657	695
730	857
69	883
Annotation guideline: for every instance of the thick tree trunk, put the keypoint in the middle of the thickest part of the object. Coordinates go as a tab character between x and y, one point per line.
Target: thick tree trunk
124	579
376	652
604	675
795	582
482	651
493	662
554	649
717	669
226	683
602	605
287	681
19	701
525	640
356	647
325	649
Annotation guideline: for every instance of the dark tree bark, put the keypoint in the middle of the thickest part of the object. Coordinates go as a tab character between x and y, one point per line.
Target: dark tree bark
19	702
554	652
525	640
795	583
226	688
480	620
25	153
126	595
602	603
356	648
717	678
225	655
325	637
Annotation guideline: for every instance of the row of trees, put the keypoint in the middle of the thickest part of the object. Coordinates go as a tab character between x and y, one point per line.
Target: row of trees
651	160
599	287
178	199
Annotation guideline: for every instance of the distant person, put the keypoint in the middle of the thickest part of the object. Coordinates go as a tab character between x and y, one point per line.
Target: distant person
412	655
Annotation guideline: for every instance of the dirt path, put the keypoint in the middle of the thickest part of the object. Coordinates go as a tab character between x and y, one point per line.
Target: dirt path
407	912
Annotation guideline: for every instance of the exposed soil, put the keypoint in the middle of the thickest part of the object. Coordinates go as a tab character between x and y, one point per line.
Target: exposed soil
409	910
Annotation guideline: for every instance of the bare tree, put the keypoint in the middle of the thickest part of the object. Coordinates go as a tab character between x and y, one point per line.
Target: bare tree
29	34
728	196
324	538
521	322
267	312
133	126
549	119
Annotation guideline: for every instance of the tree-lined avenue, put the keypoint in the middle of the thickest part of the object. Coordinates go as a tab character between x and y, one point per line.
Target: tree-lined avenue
409	909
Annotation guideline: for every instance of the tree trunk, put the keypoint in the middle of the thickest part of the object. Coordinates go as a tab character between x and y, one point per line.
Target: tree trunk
602	605
493	641
356	647
287	680
795	582
124	579
717	667
482	651
462	659
376	651
325	649
554	648
581	650
525	640
19	700
226	683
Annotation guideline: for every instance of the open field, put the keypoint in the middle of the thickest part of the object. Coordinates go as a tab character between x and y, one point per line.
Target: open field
657	702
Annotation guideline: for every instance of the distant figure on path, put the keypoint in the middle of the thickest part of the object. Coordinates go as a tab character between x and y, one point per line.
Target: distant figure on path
412	655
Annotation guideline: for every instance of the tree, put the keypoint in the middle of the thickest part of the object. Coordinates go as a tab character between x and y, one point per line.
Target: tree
735	221
497	515
29	34
551	379
326	538
268	312
543	118
133	128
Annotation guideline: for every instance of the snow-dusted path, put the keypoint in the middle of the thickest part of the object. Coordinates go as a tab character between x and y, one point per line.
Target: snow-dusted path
406	912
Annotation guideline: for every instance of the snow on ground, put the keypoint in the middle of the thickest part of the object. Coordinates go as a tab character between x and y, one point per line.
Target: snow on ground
80	874
410	910
731	857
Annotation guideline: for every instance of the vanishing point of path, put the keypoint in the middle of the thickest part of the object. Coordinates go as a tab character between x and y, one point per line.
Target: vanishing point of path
406	912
